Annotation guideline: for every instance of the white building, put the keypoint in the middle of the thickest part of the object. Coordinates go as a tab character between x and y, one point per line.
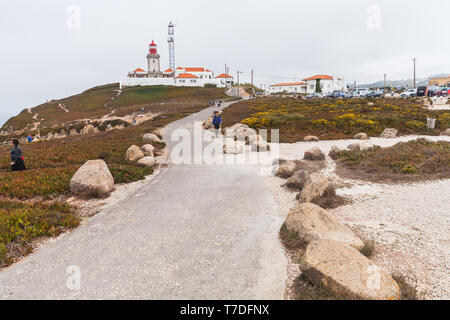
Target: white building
327	84
188	76
288	87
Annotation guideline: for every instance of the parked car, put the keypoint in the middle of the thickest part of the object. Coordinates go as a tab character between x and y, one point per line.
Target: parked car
431	90
421	91
374	94
409	93
314	95
441	92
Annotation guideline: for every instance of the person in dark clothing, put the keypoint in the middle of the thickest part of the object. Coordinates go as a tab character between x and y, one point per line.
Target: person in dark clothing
17	163
217	121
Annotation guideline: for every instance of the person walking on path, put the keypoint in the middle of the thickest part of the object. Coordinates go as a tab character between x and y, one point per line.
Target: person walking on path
217	121
17	163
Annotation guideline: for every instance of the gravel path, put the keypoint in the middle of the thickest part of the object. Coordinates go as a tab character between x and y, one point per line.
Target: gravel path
409	222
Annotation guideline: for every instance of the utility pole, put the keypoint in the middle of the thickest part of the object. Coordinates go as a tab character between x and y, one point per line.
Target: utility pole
384	86
354	84
225	68
414	81
252	77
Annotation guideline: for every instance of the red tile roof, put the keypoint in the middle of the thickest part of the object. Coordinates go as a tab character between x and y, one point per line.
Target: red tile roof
223	75
194	69
168	70
179	68
139	70
186	75
319	76
287	84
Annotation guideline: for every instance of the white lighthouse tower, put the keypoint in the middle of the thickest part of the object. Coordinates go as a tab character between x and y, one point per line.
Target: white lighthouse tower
171	42
154	68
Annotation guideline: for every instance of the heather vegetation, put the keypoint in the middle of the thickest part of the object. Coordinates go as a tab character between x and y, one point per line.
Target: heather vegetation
335	119
406	161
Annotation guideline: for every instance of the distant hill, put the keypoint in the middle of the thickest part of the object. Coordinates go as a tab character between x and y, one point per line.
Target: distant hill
107	101
403	83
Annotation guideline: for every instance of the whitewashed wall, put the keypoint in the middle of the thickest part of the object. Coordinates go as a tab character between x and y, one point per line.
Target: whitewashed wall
131	82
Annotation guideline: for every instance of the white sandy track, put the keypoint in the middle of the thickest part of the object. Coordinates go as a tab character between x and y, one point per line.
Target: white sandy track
409	222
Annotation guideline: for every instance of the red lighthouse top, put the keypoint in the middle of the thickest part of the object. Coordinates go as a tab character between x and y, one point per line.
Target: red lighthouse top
153	48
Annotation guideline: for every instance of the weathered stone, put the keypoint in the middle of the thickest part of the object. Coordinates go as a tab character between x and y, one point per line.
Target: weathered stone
297	180
446	132
314	187
314	154
334	152
311	222
311	138
344	271
260	146
151	137
73	132
366	146
147	161
230	132
92	179
389	133
207	124
361	136
232	147
134	153
286	169
254	138
243	134
148	150
354	147
89	128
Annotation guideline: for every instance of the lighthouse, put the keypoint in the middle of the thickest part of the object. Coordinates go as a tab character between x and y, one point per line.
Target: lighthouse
153	61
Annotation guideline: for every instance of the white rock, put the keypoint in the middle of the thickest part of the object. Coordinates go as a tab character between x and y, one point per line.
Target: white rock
148	150
148	161
389	133
286	169
354	147
311	222
151	137
361	136
311	138
366	146
314	154
134	153
343	270
92	179
315	186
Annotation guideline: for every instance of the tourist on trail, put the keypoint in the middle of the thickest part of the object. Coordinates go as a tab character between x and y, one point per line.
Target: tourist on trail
217	121
29	138
17	163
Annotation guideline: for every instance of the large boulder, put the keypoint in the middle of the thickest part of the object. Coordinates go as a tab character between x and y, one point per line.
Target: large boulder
151	137
89	128
230	132
334	152
344	271
92	179
354	147
446	132
311	222
286	169
243	134
147	161
208	123
260	146
389	133
361	136
232	147
253	138
134	153
366	146
297	180
314	154
148	150
315	186
311	138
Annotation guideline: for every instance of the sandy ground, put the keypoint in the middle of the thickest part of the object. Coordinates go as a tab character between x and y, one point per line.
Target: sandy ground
409	222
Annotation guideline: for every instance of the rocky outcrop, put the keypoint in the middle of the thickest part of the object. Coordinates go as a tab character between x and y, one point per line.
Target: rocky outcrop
311	223
315	186
89	128
148	150
92	179
134	153
361	136
311	138
354	147
73	132
338	267
147	161
286	169
297	180
389	133
151	137
334	152
232	147
314	154
260	146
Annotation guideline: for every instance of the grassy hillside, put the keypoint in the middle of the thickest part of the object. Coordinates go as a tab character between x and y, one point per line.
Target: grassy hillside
102	100
24	196
334	119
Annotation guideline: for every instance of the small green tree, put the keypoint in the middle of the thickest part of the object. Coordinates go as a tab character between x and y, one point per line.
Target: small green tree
318	88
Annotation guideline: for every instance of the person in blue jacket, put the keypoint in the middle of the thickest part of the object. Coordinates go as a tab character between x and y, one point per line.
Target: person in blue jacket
216	122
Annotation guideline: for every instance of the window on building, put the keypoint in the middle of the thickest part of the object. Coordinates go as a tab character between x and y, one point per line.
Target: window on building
193	81
311	86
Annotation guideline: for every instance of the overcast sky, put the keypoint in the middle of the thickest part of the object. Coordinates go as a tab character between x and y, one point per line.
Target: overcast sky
42	58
